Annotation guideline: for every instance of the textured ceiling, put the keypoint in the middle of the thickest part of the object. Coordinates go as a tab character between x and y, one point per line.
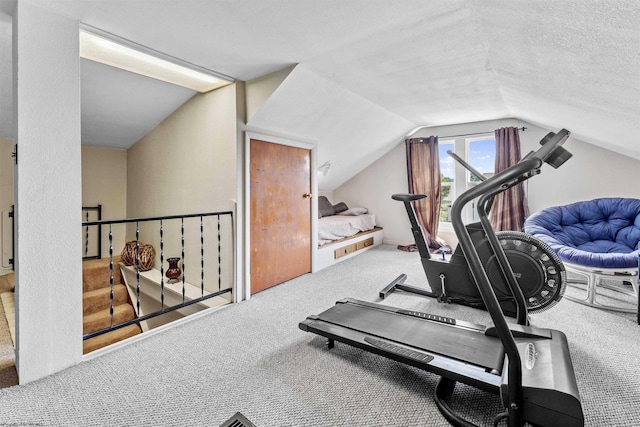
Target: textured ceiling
371	71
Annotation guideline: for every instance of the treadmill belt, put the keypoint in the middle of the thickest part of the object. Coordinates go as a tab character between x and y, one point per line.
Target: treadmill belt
434	337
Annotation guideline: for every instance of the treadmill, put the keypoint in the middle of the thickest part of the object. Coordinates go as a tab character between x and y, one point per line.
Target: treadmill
529	368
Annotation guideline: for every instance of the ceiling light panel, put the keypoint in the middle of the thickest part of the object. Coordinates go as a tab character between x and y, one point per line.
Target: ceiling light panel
108	50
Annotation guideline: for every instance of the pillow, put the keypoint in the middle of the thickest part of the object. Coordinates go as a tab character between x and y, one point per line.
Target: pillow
324	207
340	207
354	211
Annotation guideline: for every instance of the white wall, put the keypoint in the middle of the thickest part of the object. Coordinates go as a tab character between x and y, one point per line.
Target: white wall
104	182
372	188
188	165
259	90
592	172
49	194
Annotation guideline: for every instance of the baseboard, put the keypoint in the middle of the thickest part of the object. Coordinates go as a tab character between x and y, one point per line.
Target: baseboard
395	242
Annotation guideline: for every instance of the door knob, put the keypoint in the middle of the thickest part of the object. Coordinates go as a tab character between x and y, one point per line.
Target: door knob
306	196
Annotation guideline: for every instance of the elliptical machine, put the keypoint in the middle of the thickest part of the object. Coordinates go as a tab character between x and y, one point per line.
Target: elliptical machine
540	274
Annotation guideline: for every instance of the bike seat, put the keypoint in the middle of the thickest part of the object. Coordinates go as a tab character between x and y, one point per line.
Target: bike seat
408	197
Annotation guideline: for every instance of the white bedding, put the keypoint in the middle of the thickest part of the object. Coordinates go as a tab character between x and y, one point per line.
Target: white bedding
338	227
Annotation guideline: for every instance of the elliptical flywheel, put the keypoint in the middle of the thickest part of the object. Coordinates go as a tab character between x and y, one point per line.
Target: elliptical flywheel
538	270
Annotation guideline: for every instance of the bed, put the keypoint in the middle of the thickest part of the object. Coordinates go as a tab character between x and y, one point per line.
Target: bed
344	231
337	222
338	227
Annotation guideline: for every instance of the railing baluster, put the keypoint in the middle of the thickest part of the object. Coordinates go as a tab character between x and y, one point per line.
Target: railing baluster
99	231
138	267
86	235
201	256
87	224
110	277
161	268
183	263
219	257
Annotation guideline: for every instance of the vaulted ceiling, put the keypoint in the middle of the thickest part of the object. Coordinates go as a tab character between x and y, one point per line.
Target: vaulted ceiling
370	72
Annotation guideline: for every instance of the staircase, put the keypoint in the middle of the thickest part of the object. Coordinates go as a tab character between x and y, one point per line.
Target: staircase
96	303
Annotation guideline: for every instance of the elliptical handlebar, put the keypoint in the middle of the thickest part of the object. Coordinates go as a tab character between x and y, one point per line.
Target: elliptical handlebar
552	153
466	165
551	150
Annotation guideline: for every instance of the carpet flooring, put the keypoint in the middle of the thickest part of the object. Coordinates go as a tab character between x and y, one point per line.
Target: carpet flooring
252	358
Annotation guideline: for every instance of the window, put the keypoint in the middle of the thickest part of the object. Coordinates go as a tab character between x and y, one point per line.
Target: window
482	157
478	152
447	179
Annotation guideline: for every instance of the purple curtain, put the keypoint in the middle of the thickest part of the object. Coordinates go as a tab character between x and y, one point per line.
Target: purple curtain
423	171
509	209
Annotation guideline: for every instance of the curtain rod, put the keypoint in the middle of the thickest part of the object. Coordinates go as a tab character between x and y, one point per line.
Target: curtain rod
475	133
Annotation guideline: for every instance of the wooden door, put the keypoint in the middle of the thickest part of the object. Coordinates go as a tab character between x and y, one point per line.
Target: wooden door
280	218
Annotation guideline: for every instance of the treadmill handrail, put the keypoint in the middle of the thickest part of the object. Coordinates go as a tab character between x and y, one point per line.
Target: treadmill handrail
501	257
525	169
480	276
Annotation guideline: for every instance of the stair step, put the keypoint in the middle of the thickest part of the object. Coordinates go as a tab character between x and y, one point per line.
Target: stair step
96	273
104	340
99	299
7	299
96	303
102	319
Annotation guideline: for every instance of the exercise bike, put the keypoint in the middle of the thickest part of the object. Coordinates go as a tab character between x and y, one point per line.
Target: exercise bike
538	270
529	368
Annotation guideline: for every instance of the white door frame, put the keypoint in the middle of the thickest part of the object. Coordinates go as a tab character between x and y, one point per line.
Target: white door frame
246	282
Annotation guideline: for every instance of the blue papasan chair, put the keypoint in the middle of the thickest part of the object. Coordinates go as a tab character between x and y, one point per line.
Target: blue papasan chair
596	239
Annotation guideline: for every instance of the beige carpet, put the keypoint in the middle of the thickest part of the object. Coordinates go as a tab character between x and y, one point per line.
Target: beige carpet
8	373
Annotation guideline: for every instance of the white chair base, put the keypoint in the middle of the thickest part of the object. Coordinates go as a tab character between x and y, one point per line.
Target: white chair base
593	280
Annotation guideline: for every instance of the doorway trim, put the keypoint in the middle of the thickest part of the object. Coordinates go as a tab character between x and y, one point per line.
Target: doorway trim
246	282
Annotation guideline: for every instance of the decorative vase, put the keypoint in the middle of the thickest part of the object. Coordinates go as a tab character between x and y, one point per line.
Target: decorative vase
138	253
173	273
